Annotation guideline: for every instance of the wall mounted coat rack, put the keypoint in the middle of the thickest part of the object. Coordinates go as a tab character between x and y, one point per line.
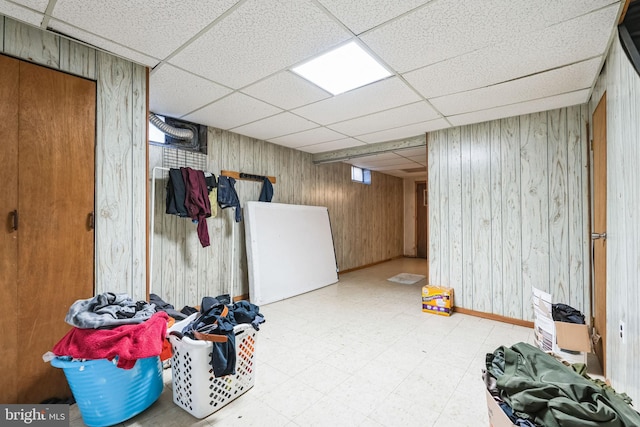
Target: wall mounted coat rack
247	176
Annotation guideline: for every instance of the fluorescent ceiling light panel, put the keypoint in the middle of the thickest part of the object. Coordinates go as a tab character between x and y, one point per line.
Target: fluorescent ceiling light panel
342	69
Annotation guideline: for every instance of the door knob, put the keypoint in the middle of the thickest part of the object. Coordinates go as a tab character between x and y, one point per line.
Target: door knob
596	236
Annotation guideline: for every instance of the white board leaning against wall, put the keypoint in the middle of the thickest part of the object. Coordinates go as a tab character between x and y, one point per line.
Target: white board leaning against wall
289	250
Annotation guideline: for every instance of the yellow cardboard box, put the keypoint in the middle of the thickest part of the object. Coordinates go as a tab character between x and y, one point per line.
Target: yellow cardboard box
437	300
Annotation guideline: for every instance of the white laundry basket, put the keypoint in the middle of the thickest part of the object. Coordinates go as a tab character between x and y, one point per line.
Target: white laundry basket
195	388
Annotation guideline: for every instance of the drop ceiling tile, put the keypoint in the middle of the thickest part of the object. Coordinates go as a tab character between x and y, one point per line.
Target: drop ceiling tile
103	44
331	146
564	43
20	13
260	38
286	90
419	159
174	92
154	28
543	104
448	28
223	114
37	5
554	82
308	137
369	99
366	14
274	126
552	11
405	131
407	114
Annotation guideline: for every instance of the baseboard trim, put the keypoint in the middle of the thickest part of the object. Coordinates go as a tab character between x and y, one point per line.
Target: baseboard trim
497	317
241	297
349	270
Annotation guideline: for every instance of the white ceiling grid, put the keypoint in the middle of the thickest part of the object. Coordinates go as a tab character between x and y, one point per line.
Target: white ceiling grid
226	63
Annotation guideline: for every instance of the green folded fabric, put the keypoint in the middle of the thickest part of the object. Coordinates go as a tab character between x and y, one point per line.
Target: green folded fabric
541	389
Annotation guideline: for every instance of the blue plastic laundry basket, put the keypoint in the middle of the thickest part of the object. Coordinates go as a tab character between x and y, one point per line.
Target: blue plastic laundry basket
108	395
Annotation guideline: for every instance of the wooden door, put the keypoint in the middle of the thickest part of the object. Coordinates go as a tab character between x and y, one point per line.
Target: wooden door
421	219
56	196
9	70
599	242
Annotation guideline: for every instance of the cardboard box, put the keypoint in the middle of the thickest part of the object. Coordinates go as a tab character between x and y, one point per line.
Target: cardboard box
569	341
572	342
497	417
437	300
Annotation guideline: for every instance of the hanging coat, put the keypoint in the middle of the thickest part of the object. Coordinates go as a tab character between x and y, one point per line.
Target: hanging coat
196	201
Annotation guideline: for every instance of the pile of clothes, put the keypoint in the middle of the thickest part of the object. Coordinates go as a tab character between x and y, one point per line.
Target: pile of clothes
113	326
215	322
536	389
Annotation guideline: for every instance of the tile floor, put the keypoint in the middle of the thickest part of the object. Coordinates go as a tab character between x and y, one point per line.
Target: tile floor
358	353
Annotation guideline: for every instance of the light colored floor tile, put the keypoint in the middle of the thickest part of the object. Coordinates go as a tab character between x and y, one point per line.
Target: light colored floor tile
249	412
400	411
433	392
270	378
386	371
368	422
323	377
288	360
329	412
357	353
291	398
361	394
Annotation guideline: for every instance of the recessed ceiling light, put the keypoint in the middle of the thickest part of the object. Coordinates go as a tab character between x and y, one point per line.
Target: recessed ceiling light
342	69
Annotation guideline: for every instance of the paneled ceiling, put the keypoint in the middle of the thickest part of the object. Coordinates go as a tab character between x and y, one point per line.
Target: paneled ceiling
226	63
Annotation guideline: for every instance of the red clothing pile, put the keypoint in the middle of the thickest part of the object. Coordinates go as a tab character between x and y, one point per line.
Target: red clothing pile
128	342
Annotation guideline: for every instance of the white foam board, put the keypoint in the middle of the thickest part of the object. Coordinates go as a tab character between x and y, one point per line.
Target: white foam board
289	250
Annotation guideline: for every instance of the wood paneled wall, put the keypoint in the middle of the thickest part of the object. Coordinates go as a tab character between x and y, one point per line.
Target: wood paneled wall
622	85
120	149
366	220
507	211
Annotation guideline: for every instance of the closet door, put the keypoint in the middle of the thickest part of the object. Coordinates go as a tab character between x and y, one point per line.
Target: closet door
9	69
56	198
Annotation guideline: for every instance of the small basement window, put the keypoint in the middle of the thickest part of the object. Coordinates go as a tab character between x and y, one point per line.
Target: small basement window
360	175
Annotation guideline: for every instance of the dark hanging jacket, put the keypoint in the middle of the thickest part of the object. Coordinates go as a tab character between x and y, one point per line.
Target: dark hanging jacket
176	192
227	196
267	190
196	201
